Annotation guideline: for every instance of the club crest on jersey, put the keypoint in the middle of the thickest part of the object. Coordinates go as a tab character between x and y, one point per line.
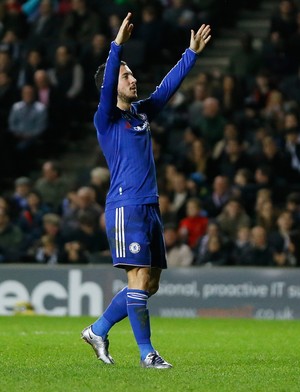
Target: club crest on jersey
144	127
134	247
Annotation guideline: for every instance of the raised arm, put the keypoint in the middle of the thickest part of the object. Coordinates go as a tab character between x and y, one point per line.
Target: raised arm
108	98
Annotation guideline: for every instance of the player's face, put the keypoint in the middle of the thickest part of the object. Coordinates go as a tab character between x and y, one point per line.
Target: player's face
127	89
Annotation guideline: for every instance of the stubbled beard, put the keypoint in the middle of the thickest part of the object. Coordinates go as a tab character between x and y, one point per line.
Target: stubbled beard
125	98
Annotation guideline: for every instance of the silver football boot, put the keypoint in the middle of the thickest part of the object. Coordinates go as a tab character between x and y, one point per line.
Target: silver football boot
99	345
154	360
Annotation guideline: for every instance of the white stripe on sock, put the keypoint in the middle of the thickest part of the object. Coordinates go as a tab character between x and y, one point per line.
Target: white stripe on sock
138	296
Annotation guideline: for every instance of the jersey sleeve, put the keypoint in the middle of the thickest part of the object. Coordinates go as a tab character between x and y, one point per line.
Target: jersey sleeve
108	96
169	85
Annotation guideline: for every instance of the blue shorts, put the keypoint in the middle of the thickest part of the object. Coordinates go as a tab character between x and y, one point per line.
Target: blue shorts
135	235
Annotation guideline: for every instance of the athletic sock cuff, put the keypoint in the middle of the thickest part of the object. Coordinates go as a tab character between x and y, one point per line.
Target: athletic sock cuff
138	297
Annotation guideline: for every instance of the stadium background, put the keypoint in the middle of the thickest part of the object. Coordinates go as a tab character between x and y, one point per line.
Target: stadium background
226	147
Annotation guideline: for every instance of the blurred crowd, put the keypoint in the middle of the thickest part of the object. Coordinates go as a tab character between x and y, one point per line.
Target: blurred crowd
227	146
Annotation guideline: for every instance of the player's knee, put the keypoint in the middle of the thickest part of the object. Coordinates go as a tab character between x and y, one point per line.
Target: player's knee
153	288
139	278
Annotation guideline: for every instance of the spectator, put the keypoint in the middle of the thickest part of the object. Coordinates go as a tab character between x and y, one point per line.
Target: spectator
232	217
266	216
31	218
292	148
51	229
230	131
259	253
273	112
179	195
262	195
14	45
200	91
260	90
92	55
7	65
7	205
7	98
47	252
149	31
73	253
51	185
167	177
215	254
81	24
114	23
93	241
199	161
14	19
168	216
23	186
290	86
11	239
85	201
172	117
233	158
294	45
28	120
240	246
180	19
161	158
178	254
193	226
284	20
68	77
263	176
46	94
285	241
244	189
211	123
249	119
43	88
245	61
69	202
221	193
274	158
255	148
275	56
99	180
229	96
34	61
43	31
293	205
212	230
291	121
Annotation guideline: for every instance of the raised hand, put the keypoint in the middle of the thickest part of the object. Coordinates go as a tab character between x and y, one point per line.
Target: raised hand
125	30
200	39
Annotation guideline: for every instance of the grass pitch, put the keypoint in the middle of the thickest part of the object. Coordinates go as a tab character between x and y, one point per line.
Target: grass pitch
40	354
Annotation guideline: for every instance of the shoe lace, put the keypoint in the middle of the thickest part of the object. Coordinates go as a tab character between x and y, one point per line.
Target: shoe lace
156	358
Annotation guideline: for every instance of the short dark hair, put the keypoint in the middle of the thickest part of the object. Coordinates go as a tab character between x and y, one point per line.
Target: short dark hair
100	73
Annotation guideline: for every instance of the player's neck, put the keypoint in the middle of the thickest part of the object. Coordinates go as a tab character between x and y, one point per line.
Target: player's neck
123	105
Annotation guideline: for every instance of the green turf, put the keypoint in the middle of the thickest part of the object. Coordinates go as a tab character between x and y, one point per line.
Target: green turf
40	354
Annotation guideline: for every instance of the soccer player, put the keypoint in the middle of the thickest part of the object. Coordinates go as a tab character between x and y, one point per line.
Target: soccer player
133	222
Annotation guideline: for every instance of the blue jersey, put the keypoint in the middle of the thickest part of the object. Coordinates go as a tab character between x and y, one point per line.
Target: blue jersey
125	136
